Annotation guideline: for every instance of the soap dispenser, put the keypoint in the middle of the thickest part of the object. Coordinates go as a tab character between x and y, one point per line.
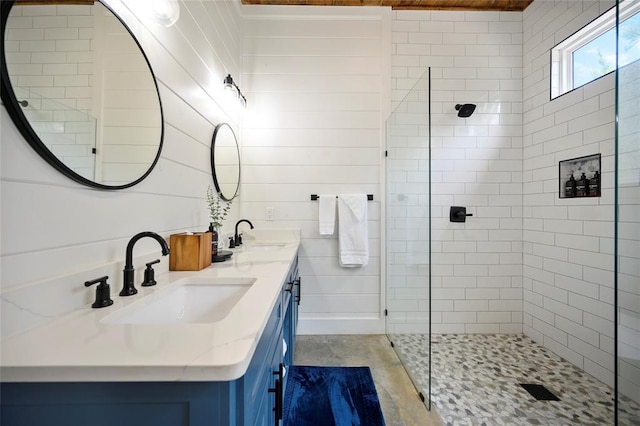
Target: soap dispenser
594	185
570	187
582	186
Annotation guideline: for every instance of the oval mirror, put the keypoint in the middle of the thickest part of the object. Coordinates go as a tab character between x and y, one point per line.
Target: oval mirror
225	162
78	86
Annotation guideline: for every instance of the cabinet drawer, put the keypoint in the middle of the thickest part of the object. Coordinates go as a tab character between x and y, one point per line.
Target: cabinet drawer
260	401
255	376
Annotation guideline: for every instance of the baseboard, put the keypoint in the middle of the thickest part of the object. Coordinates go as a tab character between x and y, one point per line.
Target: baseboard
312	326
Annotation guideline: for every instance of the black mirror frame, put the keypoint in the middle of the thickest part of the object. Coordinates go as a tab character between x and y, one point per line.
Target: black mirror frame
19	119
213	163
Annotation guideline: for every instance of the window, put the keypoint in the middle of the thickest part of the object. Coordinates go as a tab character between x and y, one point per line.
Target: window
590	53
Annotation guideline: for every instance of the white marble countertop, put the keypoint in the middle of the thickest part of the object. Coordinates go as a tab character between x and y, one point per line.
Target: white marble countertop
79	347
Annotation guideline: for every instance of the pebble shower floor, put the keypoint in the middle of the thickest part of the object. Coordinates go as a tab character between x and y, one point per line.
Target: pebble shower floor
476	381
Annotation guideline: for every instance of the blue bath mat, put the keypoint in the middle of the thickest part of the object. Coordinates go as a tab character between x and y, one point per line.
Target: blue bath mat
331	396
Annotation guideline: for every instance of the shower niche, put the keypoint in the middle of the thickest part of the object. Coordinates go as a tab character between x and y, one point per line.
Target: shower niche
580	177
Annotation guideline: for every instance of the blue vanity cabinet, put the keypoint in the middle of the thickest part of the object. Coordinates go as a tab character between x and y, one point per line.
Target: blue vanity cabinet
255	399
292	301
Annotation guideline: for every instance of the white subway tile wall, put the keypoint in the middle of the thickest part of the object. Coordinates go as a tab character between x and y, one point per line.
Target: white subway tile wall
568	262
407	216
47	58
628	235
476	162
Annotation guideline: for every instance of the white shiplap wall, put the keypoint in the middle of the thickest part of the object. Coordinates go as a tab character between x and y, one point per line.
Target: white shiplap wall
56	234
476	57
317	80
568	243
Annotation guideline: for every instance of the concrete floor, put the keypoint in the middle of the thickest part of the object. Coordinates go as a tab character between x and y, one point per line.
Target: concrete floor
401	405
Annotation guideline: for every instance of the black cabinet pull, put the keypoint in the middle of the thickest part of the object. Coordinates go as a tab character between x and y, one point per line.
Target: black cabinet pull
278	407
298	293
290	289
279	394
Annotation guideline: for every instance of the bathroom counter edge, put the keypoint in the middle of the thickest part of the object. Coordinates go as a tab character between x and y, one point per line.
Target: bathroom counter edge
78	347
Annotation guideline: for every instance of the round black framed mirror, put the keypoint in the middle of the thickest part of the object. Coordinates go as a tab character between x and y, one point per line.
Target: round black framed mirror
80	89
225	162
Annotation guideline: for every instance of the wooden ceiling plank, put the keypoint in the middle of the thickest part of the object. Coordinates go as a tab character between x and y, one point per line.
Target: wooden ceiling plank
478	5
53	2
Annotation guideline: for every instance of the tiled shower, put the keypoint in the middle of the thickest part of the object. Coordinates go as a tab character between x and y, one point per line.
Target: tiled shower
527	262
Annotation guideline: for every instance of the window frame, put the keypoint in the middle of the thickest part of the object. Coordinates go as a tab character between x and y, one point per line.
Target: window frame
561	69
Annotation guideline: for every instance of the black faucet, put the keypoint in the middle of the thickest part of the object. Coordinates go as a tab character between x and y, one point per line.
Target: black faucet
128	289
238	238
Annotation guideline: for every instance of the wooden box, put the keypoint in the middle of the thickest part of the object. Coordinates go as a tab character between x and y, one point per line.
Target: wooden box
190	252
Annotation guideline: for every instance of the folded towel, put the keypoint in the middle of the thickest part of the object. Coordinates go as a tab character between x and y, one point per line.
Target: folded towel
353	238
327	213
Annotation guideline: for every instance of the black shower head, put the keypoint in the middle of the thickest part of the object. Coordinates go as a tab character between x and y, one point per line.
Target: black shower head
465	110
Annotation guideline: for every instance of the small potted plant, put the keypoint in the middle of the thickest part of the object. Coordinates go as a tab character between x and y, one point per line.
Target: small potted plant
218	211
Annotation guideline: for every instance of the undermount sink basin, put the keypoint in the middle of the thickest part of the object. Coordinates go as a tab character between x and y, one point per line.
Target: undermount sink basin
264	246
193	301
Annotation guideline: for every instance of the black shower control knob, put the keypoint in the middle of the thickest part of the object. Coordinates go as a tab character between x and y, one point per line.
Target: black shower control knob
458	214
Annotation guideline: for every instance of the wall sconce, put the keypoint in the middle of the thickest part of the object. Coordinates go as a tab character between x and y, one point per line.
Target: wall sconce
159	12
165	12
232	87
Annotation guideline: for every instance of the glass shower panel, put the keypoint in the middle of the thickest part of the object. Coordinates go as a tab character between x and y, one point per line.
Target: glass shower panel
408	233
628	239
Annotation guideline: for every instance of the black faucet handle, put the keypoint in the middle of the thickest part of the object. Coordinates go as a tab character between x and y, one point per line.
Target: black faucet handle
103	292
149	274
101	281
458	214
232	244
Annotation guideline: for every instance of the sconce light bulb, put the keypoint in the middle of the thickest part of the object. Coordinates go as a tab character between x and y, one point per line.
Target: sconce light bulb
232	88
228	82
165	12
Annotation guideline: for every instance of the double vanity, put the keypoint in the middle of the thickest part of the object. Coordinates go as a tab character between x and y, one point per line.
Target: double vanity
199	348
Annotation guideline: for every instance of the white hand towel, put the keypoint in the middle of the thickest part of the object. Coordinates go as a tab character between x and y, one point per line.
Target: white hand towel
327	213
353	238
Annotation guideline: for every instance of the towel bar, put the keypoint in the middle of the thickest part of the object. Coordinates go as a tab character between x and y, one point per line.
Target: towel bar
314	197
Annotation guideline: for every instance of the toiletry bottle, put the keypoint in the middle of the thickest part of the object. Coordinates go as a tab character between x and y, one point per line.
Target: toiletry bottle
570	187
214	240
582	186
594	185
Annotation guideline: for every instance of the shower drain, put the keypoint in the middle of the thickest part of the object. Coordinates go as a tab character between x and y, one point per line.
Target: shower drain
539	392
